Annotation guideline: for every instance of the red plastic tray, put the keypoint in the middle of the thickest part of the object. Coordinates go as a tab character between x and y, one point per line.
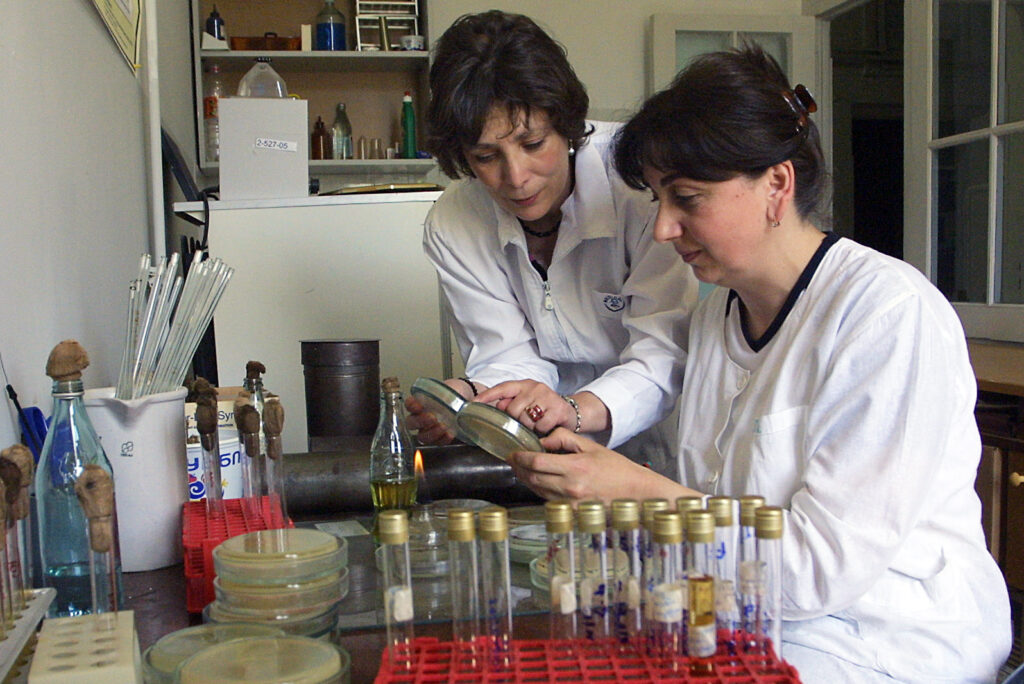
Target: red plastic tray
581	661
200	535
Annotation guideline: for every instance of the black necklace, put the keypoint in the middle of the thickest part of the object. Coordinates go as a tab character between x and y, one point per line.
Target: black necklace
541	233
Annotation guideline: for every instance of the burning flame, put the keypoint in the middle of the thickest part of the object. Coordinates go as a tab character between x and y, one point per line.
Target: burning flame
418	461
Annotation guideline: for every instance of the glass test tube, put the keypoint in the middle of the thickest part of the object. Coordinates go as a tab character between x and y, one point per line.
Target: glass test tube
747	571
700	538
648	507
627	573
209	438
496	586
273	424
727	612
558	522
768	633
464	572
248	419
665	628
701	642
592	527
396	580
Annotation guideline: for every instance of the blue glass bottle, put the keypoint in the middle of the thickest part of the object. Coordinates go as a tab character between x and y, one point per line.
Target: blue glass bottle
330	28
71	444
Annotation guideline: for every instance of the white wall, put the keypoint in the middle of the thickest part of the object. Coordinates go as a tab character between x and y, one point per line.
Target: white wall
73	216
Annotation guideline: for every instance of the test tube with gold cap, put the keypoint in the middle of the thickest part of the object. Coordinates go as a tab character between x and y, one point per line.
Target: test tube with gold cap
725	562
396	581
747	569
496	586
665	626
768	528
592	527
464	572
648	507
561	560
627	571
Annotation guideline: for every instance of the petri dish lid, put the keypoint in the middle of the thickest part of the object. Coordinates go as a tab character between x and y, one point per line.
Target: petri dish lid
280	556
267	660
261	599
496	432
161	660
314	623
440	400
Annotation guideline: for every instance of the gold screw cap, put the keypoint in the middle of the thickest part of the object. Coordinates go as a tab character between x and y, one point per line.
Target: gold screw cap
648	507
558	517
393	527
591	518
461	525
748	505
768	523
494	524
668	527
700	526
689	503
721	508
625	514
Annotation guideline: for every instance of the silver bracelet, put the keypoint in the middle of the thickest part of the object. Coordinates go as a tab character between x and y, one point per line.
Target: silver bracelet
576	408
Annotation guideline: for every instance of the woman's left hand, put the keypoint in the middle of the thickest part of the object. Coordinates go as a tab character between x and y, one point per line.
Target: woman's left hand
588	471
532	403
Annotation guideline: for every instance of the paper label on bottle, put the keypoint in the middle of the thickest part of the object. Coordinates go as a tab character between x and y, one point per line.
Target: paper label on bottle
278	145
667	601
400	601
563	592
632	593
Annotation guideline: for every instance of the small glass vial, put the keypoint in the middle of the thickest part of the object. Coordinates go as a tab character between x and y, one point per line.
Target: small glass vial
689	503
627	573
396	581
727	612
464	572
592	527
665	628
558	522
648	507
701	643
699	549
768	632
747	571
496	587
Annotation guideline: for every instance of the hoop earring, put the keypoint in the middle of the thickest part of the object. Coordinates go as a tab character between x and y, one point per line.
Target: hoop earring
773	224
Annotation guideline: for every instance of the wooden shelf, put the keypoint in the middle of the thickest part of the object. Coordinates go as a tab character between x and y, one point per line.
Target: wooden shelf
286	61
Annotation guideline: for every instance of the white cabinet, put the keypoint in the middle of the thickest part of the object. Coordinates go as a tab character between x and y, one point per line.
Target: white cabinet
370	83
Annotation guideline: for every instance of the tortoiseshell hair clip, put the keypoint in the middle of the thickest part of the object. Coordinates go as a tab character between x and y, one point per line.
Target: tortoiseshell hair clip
802	103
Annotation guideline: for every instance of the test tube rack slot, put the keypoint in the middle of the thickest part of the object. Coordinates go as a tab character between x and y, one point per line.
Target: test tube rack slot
200	535
15	647
569	661
87	649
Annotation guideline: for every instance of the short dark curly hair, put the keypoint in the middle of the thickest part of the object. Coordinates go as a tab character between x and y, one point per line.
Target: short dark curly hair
727	114
498	59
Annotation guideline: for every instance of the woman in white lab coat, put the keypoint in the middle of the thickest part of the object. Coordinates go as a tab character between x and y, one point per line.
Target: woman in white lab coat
830	379
567	313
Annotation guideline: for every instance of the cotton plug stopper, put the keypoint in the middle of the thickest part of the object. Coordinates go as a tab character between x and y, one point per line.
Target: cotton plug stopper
95	491
19	455
67	360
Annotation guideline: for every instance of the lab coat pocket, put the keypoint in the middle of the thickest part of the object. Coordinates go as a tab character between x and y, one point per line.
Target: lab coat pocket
776	451
609	304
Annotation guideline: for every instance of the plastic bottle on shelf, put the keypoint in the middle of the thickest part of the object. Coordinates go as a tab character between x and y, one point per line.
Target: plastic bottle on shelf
214	91
341	134
330	28
262	81
215	25
408	127
320	143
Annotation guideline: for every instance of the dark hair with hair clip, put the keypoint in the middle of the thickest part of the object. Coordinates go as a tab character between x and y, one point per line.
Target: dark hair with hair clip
496	59
728	114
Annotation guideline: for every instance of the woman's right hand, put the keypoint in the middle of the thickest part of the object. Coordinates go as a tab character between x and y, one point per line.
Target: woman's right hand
429	430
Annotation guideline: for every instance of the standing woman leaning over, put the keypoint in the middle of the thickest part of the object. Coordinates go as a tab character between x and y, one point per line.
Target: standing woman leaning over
566	311
831	379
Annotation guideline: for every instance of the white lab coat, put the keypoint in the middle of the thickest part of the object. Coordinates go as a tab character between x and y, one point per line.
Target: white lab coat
857	417
617	304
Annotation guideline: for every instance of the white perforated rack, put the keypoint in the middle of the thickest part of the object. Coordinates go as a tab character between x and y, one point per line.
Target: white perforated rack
36	604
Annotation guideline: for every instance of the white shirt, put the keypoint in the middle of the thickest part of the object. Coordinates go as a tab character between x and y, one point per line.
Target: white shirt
609	316
858	417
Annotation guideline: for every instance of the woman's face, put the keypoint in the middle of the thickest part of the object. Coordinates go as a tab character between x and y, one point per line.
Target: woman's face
523	163
718	228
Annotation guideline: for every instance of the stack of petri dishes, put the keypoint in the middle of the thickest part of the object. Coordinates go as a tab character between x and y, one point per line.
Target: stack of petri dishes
161	660
291	579
268	660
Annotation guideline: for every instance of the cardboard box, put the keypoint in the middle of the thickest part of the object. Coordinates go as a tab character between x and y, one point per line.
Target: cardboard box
225	412
264	148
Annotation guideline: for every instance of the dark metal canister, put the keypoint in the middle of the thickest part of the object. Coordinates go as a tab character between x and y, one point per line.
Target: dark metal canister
342	389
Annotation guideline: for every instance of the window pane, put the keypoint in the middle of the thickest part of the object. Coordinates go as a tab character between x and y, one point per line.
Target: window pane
964	65
961	268
1011	279
689	44
1012	49
775	45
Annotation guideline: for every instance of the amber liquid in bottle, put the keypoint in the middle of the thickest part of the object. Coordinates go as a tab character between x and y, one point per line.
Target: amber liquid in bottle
397	494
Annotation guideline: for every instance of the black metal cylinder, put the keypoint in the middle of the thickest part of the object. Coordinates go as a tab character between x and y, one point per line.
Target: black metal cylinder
342	389
321	483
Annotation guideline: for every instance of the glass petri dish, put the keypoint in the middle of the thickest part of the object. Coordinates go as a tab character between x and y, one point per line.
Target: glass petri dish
268	660
526	542
315	624
539	572
280	556
496	432
442	507
258	599
440	400
161	660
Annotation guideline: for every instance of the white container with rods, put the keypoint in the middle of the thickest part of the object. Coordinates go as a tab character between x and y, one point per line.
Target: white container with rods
145	441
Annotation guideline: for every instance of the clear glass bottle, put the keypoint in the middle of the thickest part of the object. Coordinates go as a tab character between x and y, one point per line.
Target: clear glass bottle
496	587
725	561
396	582
648	507
330	28
768	632
215	89
665	628
464	573
592	527
341	134
262	81
392	458
252	440
700	541
558	524
627	571
747	572
71	444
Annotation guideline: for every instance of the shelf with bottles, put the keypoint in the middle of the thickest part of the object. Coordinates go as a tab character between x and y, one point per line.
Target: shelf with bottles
293	61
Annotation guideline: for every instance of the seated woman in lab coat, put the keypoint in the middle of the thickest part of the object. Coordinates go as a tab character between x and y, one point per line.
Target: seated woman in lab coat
566	312
829	378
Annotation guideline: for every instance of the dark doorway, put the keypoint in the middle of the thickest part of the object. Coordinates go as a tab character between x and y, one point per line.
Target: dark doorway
878	184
